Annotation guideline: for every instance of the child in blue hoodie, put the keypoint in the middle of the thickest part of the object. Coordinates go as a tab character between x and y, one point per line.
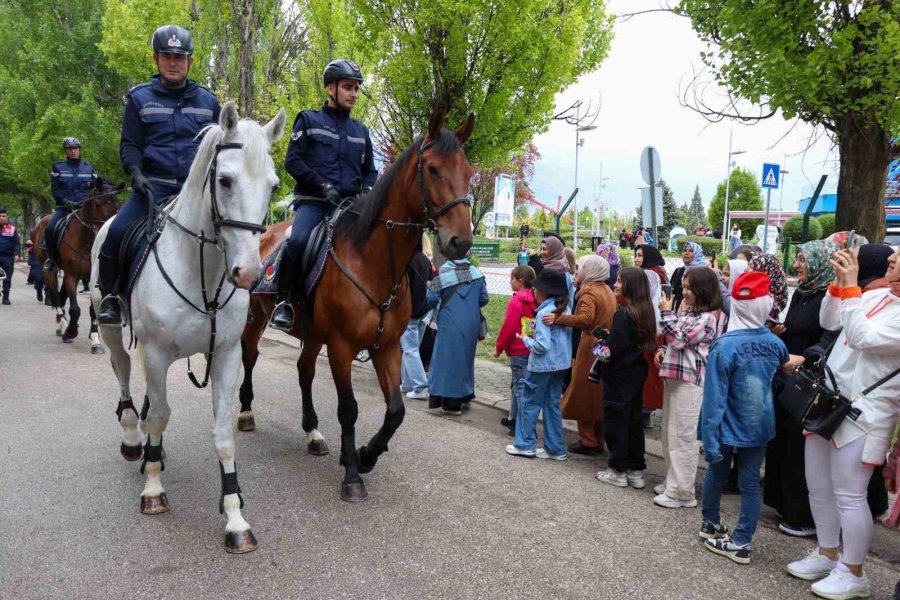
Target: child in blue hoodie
550	354
737	418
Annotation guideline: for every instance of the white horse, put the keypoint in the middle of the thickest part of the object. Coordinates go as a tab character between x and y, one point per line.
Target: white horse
173	312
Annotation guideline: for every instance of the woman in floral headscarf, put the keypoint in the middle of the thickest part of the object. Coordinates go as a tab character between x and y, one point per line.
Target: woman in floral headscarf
769	264
785	483
609	251
692	255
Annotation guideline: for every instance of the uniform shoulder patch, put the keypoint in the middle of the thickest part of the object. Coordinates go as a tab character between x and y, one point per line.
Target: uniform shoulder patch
137	87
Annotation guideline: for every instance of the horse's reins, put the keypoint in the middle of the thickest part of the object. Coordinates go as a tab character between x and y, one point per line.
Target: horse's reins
93	226
210	307
430	214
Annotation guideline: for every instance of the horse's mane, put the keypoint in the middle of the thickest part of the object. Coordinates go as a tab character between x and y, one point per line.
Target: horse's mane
255	144
357	225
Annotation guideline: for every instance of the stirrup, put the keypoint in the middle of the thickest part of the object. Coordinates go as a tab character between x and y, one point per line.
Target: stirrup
283	327
49	265
118	303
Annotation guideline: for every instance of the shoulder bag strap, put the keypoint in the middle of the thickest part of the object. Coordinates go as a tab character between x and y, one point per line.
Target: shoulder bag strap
880	382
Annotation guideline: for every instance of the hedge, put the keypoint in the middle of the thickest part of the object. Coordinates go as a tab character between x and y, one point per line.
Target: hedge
793	229
827	223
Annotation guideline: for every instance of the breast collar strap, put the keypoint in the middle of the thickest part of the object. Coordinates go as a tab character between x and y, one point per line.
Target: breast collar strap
432	214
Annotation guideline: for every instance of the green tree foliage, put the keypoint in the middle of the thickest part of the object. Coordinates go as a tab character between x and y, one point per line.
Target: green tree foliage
827	223
832	64
542	220
696	214
793	228
743	194
504	61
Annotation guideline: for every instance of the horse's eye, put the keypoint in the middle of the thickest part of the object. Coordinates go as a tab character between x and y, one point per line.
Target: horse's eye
225	182
432	170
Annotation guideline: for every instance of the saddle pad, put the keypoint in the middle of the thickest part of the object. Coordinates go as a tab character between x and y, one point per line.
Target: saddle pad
59	232
136	247
268	283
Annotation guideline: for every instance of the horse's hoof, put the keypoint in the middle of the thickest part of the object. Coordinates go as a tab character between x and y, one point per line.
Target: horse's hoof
246	421
354	491
240	542
131	453
68	336
98	349
155	505
318	448
59	333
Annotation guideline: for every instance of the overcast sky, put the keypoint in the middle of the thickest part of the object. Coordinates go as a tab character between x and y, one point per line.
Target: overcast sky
638	85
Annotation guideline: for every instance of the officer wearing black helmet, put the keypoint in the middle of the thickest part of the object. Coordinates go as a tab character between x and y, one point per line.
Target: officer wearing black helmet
159	130
330	156
70	182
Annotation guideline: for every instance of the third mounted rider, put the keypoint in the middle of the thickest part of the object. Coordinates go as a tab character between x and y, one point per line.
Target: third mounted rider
159	141
70	182
330	156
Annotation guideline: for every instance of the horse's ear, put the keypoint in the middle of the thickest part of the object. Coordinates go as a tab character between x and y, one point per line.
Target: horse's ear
464	131
435	124
274	129
229	118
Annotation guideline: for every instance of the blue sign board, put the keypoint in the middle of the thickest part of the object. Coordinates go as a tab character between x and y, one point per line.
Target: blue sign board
771	176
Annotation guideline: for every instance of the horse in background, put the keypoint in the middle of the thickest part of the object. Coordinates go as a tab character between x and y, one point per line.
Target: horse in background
361	301
77	237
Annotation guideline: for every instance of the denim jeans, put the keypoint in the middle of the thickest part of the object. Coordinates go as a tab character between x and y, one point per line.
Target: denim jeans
749	462
518	366
412	373
540	391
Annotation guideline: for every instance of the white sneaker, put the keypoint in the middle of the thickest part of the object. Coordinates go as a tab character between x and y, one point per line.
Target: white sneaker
841	584
541	453
635	479
423	395
814	566
513	451
667	502
660	489
613	477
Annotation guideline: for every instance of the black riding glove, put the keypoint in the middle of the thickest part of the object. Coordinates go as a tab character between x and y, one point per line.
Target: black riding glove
331	194
141	184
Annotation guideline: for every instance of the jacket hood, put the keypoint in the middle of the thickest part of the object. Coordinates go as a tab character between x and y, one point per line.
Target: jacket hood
526	297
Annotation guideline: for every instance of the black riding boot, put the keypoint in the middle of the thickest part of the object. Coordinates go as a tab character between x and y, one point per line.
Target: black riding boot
283	315
110	312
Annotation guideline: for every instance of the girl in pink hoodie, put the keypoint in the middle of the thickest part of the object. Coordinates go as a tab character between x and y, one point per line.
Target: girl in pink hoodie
519	311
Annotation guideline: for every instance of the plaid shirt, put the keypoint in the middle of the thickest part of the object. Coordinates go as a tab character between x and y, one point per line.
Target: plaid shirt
687	341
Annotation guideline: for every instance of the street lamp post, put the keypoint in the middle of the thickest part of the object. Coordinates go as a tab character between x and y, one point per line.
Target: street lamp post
725	229
781	194
598	208
579	141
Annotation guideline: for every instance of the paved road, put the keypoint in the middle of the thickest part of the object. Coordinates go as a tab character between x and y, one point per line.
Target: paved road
449	514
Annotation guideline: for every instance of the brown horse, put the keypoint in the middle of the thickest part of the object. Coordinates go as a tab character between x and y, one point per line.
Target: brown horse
362	299
100	204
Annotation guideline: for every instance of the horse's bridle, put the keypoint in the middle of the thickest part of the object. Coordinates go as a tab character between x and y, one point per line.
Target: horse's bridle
210	307
431	216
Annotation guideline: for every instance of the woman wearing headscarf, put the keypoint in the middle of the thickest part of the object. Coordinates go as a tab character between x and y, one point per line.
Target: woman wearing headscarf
610	253
873	260
839	470
652	262
595	306
456	296
785	482
744	252
692	255
771	266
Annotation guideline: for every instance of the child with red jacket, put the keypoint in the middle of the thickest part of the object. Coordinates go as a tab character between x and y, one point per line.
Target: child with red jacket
521	309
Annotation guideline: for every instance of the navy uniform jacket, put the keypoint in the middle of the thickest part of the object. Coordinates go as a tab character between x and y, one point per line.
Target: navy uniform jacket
328	146
71	180
160	126
10	245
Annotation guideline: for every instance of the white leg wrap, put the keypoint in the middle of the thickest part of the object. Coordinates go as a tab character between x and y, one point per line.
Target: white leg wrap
152	484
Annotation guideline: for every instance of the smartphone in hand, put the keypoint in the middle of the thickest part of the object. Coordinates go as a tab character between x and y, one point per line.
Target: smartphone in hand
599	333
667	290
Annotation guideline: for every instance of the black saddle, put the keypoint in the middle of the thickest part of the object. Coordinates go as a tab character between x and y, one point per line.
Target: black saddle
138	241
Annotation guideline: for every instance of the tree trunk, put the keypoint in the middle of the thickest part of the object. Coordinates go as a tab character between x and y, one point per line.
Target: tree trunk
245	28
865	152
27	218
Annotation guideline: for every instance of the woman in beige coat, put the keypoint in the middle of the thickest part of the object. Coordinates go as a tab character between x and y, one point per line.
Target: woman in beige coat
595	306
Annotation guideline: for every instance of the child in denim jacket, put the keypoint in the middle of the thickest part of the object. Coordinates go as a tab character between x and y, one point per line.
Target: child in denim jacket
521	309
550	355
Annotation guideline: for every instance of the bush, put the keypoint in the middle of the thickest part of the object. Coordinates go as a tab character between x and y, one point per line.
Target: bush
827	223
794	229
708	244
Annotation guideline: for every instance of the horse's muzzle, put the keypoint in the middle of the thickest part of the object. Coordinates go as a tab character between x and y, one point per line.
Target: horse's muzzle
243	277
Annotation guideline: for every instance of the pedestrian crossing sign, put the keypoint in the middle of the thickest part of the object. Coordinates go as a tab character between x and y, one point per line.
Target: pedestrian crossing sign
771	176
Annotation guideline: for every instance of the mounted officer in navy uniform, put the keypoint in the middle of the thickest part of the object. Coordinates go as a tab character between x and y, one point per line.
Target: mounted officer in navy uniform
10	248
70	182
158	144
330	156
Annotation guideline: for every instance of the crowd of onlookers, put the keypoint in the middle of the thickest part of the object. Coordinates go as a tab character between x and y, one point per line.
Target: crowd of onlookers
714	347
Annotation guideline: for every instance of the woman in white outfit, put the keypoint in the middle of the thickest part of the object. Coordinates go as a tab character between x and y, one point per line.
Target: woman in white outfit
838	470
